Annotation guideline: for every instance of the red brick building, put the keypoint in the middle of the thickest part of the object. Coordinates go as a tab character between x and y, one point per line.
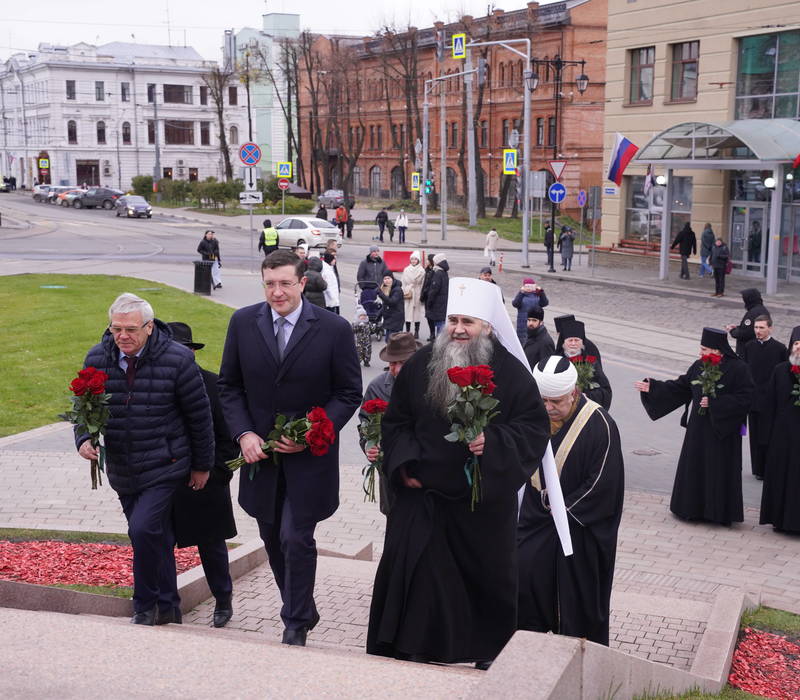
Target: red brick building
361	109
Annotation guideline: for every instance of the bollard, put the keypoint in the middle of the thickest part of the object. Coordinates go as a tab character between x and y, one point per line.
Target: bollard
500	266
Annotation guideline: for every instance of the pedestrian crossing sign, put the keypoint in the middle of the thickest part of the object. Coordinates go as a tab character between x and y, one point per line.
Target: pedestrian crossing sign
285	170
459	45
415	182
509	161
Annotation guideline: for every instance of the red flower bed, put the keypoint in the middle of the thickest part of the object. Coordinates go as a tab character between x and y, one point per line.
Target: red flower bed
90	564
766	664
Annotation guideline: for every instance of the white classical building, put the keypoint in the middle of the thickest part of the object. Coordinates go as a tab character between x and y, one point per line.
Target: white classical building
102	114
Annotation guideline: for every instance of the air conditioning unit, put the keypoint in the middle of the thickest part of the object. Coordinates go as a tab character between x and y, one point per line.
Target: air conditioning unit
106	170
181	163
180	170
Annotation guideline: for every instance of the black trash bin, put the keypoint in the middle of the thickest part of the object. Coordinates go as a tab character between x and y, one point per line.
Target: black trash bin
202	277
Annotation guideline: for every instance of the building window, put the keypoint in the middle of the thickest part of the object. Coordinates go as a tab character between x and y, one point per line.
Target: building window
167	172
72	132
641	78
454	135
194	176
502	76
233	136
371	137
540	131
768	79
380	137
233	95
203	95
178	94
484	134
205	133
551	131
151	92
99	90
125	92
70	89
101	133
684	70
151	131
126	133
506	132
644	212
356	180
178	133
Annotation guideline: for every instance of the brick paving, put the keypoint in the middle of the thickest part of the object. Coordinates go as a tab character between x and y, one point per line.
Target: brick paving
668	640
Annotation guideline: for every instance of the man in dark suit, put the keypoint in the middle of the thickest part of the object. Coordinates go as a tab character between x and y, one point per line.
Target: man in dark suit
285	357
205	518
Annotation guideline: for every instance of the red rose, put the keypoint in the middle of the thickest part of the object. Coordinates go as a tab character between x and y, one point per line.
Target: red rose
795	369
87	373
97	383
327	431
591	359
317	442
79	386
489	387
317	414
462	376
375	406
482	375
711	359
577	358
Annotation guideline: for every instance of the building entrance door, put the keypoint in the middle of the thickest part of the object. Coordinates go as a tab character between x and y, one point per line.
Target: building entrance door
748	244
87	171
789	246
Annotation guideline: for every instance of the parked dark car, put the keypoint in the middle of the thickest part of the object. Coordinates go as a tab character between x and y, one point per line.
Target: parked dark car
97	197
333	198
133	205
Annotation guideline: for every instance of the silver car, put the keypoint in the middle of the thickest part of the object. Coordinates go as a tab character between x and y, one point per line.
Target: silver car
296	230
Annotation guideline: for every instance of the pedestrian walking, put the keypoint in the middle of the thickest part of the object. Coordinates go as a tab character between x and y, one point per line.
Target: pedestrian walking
159	435
322	212
706	244
412	280
209	251
341	218
373	269
426	285
204	518
363	335
331	282
686	242
391	294
549	246
708	480
269	239
381	218
437	293
485	274
315	287
490	247
350	222
566	244
745	331
529	296
401	224
721	264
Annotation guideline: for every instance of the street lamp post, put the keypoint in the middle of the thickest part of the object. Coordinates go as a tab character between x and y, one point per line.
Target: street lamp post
581	83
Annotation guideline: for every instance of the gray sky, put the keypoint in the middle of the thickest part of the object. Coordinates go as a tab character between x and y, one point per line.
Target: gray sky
24	24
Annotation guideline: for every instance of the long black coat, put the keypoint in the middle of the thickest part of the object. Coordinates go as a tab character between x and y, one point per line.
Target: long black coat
708	481
538	346
207	515
394	312
745	331
685	241
320	368
436	294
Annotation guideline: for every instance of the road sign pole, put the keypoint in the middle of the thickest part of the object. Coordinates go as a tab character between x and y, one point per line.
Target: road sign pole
424	194
283	201
252	255
580	252
472	195
442	163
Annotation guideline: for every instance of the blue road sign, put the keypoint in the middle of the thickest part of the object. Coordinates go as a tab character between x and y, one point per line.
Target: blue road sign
556	193
509	161
250	154
582	198
459	45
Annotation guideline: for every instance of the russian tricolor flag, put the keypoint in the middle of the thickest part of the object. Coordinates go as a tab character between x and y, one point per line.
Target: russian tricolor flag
623	151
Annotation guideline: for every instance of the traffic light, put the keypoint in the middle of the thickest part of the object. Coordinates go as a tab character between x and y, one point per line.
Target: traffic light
429	186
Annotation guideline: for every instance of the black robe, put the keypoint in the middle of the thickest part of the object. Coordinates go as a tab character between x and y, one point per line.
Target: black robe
780	499
761	358
745	332
538	346
589	348
708	481
446	586
572	595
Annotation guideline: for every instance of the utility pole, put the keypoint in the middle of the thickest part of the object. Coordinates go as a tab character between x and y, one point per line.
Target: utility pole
157	166
472	195
247	90
442	160
425	145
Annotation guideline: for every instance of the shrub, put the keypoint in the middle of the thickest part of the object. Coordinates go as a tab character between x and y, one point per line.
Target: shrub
143	186
292	205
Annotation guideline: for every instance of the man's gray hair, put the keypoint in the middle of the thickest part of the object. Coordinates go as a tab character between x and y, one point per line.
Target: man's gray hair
128	303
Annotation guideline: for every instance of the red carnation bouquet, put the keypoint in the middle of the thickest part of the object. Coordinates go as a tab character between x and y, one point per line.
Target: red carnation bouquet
90	412
371	432
469	415
314	430
795	370
709	377
585	366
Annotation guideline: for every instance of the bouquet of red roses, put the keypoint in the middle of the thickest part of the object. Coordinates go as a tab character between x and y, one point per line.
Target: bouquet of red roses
314	430
90	413
371	432
471	412
709	377
795	370
584	365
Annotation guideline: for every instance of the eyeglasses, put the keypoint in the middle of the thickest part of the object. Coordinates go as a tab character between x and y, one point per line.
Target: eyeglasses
128	330
283	284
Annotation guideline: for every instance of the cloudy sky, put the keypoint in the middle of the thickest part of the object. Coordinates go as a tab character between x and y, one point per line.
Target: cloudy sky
24	25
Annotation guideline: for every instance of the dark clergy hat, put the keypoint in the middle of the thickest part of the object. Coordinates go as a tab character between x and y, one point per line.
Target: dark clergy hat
716	339
573	329
536	312
182	333
794	337
559	320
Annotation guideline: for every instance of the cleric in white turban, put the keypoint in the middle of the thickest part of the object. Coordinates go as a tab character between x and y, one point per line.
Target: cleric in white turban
446	586
571	595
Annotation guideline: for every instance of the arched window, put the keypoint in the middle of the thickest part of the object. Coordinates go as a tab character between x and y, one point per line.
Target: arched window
101	133
502	74
520	73
126	133
375	181
72	132
234	136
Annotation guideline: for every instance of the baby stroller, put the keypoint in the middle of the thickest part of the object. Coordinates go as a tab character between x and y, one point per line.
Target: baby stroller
369	299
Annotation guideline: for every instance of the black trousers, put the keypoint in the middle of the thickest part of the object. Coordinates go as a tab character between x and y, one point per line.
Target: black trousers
685	267
149	514
550	252
719	280
292	553
214	557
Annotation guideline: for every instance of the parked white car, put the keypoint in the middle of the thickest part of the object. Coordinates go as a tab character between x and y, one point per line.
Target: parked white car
296	230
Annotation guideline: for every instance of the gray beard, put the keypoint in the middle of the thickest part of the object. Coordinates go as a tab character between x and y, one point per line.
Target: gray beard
794	358
441	391
572	353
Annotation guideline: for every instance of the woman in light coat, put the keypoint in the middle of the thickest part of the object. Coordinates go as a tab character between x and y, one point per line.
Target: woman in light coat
401	224
490	249
332	290
412	279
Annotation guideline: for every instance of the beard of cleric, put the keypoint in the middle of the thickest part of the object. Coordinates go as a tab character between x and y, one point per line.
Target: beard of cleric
573	353
794	358
447	353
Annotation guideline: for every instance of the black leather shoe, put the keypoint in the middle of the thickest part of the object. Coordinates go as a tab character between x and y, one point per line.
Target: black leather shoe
148	617
295	638
223	612
173	615
483	665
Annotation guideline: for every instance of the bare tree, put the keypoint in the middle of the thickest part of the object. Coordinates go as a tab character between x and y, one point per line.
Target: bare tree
310	63
217	80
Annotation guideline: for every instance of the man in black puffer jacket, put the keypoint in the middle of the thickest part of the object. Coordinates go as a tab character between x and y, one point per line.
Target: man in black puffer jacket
159	435
745	331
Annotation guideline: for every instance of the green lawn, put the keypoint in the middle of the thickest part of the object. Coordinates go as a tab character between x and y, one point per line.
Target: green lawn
16	534
47	332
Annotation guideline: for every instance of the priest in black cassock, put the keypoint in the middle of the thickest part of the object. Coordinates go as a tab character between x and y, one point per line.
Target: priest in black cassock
574	345
780	499
708	481
572	595
761	355
589	346
446	585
